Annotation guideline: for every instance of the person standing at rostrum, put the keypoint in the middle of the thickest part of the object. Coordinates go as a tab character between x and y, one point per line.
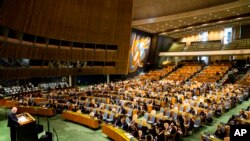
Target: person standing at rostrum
13	123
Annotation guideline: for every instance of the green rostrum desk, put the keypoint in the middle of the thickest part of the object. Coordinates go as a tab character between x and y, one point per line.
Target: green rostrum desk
27	129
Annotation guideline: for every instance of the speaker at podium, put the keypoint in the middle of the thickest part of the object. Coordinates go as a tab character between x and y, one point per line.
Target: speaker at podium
27	129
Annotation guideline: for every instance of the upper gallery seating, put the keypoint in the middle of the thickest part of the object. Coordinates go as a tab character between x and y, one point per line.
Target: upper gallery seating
204	46
210	45
177	47
238	44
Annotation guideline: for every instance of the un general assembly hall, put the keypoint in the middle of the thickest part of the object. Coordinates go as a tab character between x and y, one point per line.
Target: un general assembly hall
124	70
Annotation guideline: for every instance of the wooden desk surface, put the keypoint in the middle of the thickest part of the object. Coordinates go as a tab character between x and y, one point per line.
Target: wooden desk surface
117	134
36	110
247	121
211	138
82	119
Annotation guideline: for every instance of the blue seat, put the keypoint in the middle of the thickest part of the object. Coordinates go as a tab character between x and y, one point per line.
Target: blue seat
105	116
129	113
175	116
197	122
107	107
127	120
152	120
162	111
146	116
168	114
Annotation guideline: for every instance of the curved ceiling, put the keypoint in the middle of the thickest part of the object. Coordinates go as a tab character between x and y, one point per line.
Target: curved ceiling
225	13
144	9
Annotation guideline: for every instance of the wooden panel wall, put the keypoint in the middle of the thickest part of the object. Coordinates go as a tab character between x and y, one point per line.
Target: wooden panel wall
6	74
86	21
48	53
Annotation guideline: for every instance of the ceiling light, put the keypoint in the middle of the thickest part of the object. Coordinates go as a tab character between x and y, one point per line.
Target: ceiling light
241	9
210	14
233	12
220	21
194	17
228	10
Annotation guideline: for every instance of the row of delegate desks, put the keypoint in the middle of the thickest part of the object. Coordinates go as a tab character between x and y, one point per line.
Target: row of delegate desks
82	119
112	132
116	133
36	110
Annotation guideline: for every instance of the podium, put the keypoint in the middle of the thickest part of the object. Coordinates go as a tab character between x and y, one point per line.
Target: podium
27	129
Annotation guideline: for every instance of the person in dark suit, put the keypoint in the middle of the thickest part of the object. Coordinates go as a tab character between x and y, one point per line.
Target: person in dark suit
220	132
172	129
192	111
124	124
190	123
13	123
243	115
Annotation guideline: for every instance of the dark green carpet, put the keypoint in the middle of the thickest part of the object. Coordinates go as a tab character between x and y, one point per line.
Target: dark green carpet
70	131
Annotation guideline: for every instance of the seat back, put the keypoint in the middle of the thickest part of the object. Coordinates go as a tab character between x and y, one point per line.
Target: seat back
111	116
146	116
130	112
168	113
105	115
152	119
107	106
127	119
197	121
162	111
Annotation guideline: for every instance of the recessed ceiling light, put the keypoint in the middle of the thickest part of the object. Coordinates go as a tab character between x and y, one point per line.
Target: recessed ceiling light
194	17
210	14
238	14
228	10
